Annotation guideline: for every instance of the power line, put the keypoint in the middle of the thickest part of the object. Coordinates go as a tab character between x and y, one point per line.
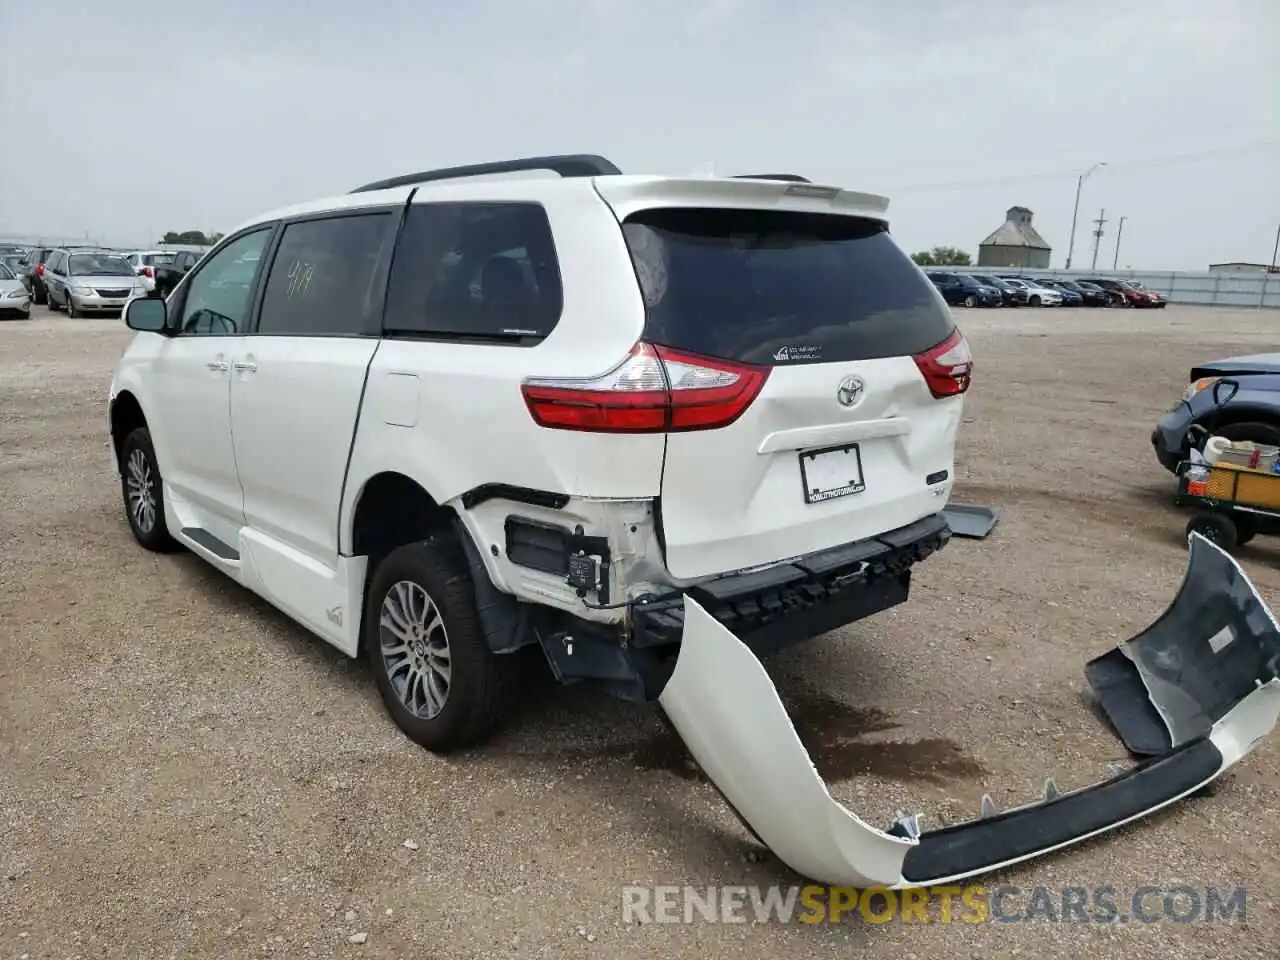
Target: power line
1164	160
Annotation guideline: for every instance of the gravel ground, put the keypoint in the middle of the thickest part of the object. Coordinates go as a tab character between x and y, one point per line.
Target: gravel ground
185	773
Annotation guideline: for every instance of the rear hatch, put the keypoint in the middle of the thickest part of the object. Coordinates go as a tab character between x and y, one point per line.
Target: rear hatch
840	366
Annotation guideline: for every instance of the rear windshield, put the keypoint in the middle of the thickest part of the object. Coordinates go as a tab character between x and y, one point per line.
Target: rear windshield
158	259
780	287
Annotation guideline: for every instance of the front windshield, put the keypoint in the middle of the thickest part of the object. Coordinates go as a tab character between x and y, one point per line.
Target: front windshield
98	265
6	273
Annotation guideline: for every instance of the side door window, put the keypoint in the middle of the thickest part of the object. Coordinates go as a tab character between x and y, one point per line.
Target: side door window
322	280
477	272
218	298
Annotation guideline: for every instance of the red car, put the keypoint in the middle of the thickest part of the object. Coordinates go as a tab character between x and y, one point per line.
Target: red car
1132	292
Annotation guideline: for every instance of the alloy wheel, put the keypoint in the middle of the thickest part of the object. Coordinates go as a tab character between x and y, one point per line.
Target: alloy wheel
140	483
415	649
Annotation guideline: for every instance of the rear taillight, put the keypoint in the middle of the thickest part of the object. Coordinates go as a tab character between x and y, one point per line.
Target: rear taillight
947	367
148	271
39	269
654	390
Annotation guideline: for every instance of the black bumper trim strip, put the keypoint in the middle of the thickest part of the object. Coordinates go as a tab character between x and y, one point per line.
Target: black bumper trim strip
978	845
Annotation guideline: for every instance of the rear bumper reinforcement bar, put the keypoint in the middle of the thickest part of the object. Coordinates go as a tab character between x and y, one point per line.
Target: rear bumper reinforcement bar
1195	693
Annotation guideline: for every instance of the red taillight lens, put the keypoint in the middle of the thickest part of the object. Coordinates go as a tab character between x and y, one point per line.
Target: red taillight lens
148	271
39	269
654	390
948	367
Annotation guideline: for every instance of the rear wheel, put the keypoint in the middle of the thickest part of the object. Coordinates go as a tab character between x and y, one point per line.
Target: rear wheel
439	680
971	301
38	296
1215	527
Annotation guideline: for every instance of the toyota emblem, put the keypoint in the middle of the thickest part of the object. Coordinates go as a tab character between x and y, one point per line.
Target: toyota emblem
850	391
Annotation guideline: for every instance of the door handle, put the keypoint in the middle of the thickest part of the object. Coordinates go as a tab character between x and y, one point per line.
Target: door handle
246	366
217	363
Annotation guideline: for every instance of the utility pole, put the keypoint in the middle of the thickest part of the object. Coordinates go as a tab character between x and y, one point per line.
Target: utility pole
1097	236
1115	264
1075	211
1275	250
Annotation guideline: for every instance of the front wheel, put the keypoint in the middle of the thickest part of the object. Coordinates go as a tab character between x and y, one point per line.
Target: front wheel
71	307
142	489
970	301
439	680
1035	301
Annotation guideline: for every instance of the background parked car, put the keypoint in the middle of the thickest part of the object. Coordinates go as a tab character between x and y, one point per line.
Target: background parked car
1010	296
1070	298
168	275
1094	296
90	282
145	262
1122	295
14	299
1037	296
960	288
17	264
1154	299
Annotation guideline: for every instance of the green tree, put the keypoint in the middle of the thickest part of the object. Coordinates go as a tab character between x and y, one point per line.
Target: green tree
187	236
942	257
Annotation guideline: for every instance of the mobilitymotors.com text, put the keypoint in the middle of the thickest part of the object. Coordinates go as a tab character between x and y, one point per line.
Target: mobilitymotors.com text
942	904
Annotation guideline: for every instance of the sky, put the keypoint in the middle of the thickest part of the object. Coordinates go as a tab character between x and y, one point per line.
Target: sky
121	122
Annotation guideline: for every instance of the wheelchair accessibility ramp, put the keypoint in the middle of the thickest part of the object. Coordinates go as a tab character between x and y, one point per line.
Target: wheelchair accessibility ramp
1193	694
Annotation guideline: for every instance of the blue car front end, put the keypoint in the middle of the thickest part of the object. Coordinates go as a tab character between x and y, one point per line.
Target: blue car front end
1217	399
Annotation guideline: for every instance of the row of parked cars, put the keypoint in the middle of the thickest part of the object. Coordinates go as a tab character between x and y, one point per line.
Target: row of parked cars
1016	290
86	280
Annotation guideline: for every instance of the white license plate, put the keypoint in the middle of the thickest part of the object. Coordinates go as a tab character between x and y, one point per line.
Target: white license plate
831	473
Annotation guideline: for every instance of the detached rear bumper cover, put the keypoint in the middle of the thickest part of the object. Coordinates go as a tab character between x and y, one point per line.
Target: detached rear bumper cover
1196	692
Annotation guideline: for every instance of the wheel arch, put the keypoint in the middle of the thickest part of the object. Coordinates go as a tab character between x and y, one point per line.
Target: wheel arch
1236	414
388	510
126	415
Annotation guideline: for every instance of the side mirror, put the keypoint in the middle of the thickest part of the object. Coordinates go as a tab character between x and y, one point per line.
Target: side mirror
1224	390
147	314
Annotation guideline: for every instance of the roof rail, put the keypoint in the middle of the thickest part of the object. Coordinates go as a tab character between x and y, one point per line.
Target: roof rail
785	177
567	165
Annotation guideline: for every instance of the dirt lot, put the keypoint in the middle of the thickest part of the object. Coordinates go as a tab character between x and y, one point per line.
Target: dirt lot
185	773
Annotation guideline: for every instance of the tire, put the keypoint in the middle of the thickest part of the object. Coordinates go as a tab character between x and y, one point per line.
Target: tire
38	296
1263	433
970	301
1035	301
408	584
1215	527
140	474
71	308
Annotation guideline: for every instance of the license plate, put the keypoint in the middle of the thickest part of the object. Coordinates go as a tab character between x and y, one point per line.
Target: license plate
831	473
